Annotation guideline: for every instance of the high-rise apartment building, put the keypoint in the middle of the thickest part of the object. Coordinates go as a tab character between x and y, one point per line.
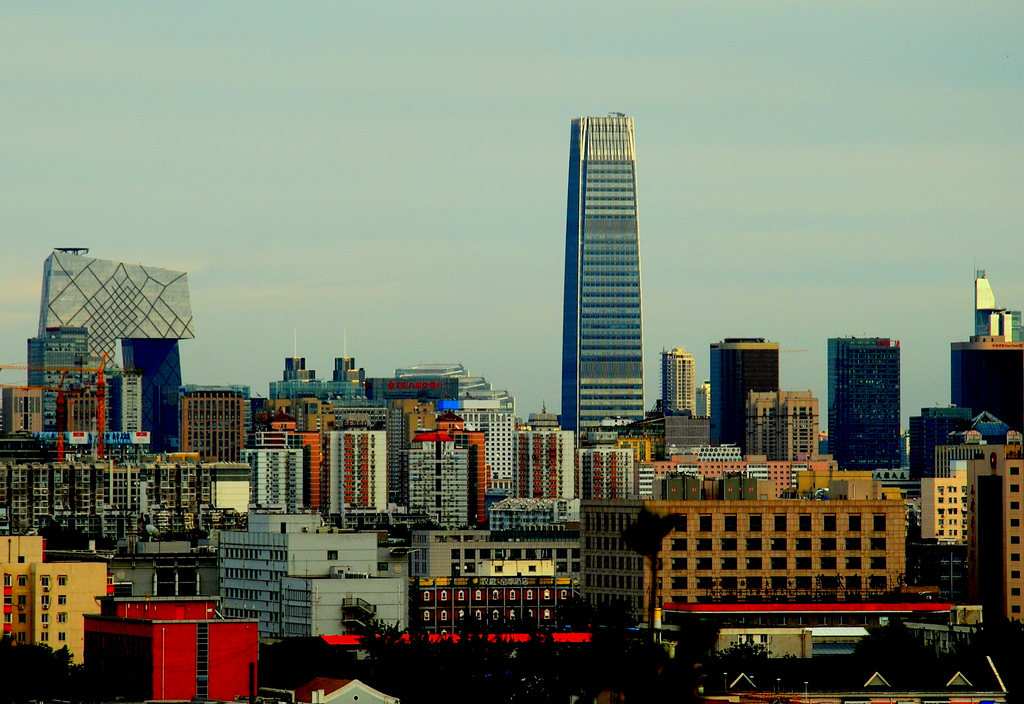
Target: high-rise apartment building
602	331
782	425
406	418
545	460
439	479
213	424
702	400
677	381
864	402
606	471
739	365
987	375
147	308
356	462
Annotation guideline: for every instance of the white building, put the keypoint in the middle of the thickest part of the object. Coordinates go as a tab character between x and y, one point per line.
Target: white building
276	477
498	427
545	461
301	579
607	472
677	381
522	514
356	462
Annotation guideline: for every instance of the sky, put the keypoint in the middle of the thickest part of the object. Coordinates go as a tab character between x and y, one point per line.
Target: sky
395	174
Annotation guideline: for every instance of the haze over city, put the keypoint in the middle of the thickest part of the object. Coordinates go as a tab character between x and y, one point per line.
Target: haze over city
400	174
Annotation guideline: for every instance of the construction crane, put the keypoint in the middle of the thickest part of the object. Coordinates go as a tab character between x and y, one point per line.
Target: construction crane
62	406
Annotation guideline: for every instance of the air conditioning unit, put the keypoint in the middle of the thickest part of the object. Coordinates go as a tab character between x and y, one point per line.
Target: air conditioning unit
46	589
46	607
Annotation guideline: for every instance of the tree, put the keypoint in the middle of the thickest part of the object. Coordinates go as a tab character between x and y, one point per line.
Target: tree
646	536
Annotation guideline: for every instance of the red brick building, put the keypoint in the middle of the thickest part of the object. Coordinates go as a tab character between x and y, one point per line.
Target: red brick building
171	648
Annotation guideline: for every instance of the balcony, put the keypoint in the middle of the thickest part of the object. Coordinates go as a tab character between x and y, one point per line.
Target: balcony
356	610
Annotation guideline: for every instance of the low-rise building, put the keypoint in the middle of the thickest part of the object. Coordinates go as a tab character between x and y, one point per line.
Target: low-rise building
512	553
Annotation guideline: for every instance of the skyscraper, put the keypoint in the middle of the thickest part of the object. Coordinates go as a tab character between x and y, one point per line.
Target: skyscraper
739	365
987	374
989	319
602	337
147	308
864	402
677	392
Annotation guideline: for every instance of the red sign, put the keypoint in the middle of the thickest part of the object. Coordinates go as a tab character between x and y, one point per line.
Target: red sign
415	385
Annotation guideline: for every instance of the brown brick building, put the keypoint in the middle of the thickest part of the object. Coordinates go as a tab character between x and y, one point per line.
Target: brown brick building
784	550
213	424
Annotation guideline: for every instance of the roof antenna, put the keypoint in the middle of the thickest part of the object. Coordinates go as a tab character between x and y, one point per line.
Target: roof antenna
346	342
295	349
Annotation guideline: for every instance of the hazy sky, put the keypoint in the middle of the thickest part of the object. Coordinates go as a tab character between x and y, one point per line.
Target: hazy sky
806	170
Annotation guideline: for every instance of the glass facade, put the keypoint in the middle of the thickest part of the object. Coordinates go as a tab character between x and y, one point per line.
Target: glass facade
602	336
864	402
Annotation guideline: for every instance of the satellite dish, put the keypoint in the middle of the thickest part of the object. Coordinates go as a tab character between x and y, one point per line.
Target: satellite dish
153	530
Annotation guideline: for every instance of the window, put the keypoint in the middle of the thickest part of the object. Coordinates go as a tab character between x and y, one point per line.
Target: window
332	554
753	563
456	553
730	523
877	581
804	522
679	563
828	563
45	618
679	583
754	583
62	636
705	523
704	563
62	581
803	563
803	543
754	521
44	580
1015	488
22	580
471	554
703	543
44	636
778	563
729	544
753	544
780	523
878	543
485	553
679	544
829	520
62	598
7	580
828	543
853	563
803	582
778	543
878	562
62	617
854	522
878	522
853	543
728	563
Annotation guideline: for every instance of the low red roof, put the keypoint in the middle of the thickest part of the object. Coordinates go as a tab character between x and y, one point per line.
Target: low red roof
328	684
432	436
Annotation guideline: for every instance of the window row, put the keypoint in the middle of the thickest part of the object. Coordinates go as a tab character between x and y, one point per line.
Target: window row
776	544
825	562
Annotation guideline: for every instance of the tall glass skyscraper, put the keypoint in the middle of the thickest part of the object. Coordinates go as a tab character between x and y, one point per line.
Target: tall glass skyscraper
602	331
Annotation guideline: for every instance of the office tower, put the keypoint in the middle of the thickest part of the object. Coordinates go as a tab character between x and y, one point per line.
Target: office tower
994	531
59	357
929	430
602	332
356	462
987	374
677	391
739	365
213	424
702	400
782	425
147	308
990	320
438	382
545	460
864	402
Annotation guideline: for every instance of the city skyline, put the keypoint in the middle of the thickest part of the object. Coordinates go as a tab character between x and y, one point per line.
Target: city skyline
799	181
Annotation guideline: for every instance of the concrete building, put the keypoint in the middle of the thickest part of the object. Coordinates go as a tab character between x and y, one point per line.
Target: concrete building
498	427
22	410
213	424
440	481
782	425
301	579
528	514
277	477
406	418
677	381
165	569
545	460
702	400
513	553
944	505
356	464
45	601
994	531
606	471
747	550
739	366
171	648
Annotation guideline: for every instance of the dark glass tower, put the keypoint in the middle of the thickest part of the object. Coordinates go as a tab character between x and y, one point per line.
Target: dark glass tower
864	402
160	364
987	374
739	365
602	337
929	429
